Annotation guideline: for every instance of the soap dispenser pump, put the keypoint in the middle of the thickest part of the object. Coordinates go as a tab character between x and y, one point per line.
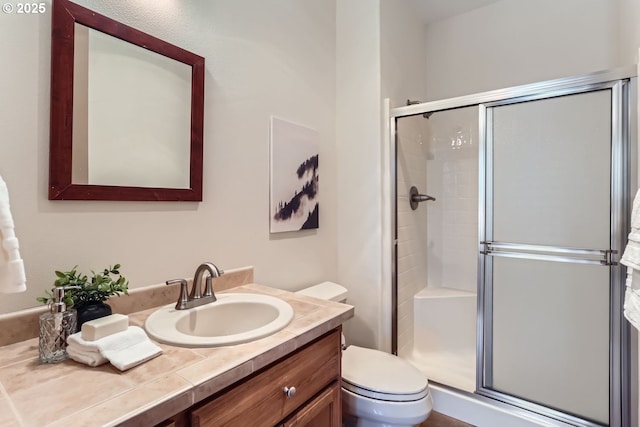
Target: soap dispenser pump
55	327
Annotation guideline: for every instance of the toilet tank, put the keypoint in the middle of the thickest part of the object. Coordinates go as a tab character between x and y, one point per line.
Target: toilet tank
327	291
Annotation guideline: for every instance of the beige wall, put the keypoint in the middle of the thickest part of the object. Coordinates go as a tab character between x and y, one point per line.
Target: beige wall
275	57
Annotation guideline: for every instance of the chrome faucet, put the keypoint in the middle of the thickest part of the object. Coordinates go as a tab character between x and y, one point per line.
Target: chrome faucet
196	298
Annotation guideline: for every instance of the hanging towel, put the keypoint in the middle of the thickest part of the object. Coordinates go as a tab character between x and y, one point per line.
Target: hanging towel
635	218
124	349
631	259
632	298
12	275
631	256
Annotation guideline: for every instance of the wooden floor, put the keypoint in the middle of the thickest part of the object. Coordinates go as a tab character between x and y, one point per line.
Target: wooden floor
437	419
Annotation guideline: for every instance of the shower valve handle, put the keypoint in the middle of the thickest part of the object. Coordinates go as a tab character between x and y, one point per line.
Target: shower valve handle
421	198
415	197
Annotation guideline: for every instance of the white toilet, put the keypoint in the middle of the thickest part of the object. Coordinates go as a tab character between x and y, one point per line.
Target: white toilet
378	388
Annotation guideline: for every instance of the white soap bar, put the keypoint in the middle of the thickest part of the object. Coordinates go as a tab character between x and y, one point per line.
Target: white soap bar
104	326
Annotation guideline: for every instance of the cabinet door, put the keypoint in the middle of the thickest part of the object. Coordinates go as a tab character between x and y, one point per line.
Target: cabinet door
325	410
260	401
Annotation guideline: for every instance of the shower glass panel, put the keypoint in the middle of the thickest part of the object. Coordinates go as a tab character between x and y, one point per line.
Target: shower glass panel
437	244
551	171
548	241
530	192
551	327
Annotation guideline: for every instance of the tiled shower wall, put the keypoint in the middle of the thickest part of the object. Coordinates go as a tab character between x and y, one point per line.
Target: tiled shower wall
437	243
412	150
452	173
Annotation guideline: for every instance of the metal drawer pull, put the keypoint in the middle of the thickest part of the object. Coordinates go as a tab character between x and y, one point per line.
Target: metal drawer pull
289	391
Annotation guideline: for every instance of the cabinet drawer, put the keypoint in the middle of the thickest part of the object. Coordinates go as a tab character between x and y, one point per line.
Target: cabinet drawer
261	400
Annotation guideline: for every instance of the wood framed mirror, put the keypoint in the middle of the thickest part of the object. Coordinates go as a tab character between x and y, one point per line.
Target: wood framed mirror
127	112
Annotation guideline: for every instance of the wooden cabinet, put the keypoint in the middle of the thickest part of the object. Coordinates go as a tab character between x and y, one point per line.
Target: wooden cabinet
267	398
322	411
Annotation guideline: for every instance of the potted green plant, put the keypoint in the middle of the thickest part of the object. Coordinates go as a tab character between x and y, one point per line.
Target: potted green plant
91	293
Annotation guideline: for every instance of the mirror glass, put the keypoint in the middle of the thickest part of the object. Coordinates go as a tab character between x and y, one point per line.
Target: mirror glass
143	142
127	112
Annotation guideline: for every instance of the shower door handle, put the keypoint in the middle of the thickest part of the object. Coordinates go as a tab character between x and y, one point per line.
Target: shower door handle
549	253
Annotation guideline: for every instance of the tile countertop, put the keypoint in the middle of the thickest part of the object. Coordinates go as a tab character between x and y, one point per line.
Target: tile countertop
73	394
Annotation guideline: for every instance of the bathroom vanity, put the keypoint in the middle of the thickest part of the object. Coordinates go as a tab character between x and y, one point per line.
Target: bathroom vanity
302	389
245	384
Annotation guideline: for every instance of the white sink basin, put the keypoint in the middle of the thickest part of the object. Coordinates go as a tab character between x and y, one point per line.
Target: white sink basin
233	319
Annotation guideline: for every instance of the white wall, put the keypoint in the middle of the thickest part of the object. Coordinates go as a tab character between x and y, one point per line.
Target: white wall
274	57
376	40
403	54
513	42
402	63
628	37
358	123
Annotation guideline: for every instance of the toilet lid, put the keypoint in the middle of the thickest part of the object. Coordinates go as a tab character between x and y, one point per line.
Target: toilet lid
381	375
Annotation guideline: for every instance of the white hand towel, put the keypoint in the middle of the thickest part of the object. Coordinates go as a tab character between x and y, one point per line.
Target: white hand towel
124	349
91	358
12	275
129	348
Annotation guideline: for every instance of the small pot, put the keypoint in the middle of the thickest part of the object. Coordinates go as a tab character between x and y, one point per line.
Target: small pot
92	311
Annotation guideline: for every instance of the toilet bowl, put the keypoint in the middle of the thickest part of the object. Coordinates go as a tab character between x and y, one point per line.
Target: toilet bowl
378	388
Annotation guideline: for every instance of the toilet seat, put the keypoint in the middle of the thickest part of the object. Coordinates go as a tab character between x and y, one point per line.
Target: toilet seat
382	376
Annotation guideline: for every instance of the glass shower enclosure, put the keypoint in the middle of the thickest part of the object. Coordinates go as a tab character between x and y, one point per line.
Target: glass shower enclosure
506	279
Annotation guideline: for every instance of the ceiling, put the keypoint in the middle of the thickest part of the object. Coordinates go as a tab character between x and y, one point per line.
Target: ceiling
437	10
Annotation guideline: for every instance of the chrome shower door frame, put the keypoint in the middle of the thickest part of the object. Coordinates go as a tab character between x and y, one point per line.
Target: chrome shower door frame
620	183
622	83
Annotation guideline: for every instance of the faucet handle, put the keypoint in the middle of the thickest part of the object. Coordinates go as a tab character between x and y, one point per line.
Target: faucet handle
183	298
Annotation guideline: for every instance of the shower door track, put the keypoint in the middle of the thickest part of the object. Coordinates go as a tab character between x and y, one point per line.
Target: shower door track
622	174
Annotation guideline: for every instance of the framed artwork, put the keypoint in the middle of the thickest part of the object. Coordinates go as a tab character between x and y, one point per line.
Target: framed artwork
294	177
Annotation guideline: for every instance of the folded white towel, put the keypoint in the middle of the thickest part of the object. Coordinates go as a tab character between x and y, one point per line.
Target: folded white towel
12	275
124	349
91	358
